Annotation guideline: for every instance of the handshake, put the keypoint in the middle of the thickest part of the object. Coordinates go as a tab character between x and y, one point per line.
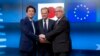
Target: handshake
42	38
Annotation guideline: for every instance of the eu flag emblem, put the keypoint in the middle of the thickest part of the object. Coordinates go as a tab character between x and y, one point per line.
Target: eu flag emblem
81	12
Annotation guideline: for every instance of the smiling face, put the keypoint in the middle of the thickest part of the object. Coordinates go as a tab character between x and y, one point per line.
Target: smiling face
59	12
44	13
30	12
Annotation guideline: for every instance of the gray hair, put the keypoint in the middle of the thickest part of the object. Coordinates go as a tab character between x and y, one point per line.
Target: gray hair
60	8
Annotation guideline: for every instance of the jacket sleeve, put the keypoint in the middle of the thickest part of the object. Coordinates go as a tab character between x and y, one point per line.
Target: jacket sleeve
62	26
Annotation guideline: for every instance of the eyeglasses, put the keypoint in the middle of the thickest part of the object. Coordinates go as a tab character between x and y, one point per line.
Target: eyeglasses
58	11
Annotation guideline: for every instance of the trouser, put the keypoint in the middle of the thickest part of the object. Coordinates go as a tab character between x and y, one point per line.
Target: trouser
45	50
61	54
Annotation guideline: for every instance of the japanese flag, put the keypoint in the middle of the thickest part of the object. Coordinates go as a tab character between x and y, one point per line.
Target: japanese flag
51	7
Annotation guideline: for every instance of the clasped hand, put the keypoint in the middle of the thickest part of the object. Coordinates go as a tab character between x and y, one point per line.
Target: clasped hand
42	38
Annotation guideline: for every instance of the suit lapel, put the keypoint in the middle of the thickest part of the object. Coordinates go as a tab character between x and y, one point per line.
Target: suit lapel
49	24
41	26
63	18
29	23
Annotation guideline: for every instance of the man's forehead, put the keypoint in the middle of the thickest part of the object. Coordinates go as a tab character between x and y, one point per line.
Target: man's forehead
59	9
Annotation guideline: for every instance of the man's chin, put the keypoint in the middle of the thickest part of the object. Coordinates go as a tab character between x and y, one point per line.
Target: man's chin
31	17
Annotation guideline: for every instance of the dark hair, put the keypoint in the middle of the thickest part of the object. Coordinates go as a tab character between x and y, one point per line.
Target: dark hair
30	6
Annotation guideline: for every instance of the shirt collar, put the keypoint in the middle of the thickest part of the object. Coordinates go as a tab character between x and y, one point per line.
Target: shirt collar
30	19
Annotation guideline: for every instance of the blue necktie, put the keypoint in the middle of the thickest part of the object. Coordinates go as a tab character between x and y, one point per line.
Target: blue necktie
33	26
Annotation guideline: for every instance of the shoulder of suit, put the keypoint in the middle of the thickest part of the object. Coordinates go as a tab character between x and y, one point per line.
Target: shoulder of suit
51	20
40	20
35	21
24	19
64	18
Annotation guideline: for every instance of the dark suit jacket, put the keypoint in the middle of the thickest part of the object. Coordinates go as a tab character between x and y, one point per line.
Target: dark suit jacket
45	48
50	26
60	36
28	39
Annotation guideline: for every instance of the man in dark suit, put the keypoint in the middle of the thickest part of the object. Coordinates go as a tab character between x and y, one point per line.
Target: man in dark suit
28	33
59	35
45	26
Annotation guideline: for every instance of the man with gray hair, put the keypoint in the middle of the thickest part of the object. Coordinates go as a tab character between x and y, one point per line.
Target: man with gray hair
60	35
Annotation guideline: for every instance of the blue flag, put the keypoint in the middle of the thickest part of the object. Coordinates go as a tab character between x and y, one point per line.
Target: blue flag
81	12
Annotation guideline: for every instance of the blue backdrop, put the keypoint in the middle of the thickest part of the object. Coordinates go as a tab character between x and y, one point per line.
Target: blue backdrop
84	17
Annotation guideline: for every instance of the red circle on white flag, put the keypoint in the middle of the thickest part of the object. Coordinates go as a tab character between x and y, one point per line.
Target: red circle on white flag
51	12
